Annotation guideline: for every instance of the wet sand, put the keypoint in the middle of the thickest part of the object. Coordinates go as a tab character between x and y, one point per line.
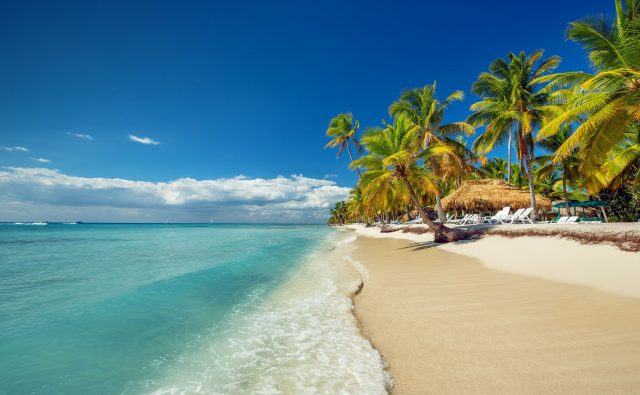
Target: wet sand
448	324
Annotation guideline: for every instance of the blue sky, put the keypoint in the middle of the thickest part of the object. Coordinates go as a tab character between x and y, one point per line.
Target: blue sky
234	88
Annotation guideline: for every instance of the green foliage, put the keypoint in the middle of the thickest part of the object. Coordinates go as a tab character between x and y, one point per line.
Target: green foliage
624	203
495	168
511	101
339	214
588	124
343	130
608	104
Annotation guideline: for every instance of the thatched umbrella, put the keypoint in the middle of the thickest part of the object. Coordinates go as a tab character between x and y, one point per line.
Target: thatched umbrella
490	195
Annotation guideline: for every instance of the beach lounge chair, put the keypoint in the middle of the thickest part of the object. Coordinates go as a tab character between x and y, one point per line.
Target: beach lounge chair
499	215
572	220
561	220
417	220
510	218
524	217
461	220
474	218
448	219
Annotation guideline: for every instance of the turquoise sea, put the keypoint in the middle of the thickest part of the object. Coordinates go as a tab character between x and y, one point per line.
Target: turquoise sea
173	309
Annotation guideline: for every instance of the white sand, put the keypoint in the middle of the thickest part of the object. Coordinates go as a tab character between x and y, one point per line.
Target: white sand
374	231
602	267
521	315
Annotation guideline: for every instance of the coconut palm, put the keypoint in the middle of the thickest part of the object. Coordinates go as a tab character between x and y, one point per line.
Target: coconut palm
518	178
343	129
512	103
568	167
546	184
339	213
356	208
609	103
623	165
422	107
495	168
453	169
393	158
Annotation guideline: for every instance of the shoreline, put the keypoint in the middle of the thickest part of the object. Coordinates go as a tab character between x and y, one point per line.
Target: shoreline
464	318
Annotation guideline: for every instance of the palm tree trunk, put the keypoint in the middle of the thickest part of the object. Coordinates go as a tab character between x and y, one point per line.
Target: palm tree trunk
532	192
443	234
351	157
564	187
441	215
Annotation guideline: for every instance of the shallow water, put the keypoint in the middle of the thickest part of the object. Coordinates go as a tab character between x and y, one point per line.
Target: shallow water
179	309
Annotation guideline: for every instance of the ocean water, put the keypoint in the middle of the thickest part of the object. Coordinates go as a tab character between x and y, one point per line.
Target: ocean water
180	309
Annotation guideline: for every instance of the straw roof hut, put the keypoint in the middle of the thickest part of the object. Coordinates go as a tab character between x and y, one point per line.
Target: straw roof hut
490	195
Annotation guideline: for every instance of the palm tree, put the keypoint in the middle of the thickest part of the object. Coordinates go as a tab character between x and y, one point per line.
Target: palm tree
518	178
623	165
568	167
393	158
511	103
422	108
495	168
338	213
356	208
343	129
610	99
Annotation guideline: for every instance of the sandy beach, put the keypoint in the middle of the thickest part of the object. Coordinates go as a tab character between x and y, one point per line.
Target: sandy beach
498	315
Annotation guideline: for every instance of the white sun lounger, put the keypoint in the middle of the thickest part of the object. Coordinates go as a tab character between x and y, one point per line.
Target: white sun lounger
572	220
504	213
561	220
461	220
524	217
417	220
509	219
474	218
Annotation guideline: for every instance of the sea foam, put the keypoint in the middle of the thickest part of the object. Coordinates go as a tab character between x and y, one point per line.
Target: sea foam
301	339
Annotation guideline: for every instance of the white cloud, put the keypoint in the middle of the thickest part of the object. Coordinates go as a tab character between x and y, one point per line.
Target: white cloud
36	193
143	140
330	175
10	149
41	160
81	136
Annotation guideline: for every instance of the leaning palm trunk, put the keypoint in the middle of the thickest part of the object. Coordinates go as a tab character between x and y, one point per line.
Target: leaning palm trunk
442	233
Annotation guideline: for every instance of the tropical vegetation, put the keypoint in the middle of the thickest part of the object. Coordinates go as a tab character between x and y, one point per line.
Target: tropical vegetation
576	134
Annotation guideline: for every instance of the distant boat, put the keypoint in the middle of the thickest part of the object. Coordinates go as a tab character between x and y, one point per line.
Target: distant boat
210	221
